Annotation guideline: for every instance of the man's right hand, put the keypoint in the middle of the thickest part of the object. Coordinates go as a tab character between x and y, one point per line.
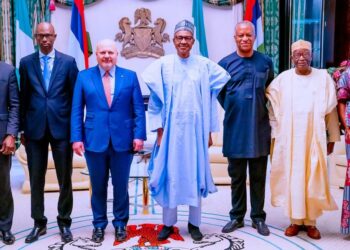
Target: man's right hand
159	136
78	148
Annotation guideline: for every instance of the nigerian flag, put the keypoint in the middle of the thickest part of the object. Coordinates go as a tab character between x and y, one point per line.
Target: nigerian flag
24	41
201	41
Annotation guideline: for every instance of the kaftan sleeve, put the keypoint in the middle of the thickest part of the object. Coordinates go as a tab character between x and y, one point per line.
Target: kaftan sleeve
331	118
218	77
272	94
332	98
332	126
152	77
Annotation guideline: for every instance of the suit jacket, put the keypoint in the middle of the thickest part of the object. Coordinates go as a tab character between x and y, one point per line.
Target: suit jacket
9	101
41	108
120	123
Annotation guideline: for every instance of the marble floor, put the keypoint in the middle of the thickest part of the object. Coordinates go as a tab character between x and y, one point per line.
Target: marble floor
144	227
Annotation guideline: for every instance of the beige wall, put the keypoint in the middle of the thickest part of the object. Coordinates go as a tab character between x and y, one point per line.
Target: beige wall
102	22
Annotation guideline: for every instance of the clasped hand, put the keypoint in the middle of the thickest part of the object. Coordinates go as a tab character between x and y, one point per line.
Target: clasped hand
8	145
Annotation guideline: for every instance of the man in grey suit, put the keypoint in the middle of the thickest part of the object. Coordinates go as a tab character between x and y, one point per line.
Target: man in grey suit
47	83
9	123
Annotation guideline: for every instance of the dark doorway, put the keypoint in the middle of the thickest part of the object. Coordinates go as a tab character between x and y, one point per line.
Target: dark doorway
337	32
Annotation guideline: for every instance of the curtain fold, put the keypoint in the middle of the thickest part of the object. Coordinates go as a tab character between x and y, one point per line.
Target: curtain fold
271	31
298	18
7	30
39	12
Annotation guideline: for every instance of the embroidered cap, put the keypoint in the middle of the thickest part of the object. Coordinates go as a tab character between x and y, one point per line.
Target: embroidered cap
184	25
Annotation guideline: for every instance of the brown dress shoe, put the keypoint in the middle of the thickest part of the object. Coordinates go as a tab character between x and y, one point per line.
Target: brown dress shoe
292	230
313	232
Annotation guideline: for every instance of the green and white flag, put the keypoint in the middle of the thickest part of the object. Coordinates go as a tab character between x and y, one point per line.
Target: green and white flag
200	46
24	39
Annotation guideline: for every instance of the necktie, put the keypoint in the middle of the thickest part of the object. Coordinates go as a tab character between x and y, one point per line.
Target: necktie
107	87
46	71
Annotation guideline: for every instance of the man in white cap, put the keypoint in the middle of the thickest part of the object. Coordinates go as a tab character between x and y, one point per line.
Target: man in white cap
182	110
303	103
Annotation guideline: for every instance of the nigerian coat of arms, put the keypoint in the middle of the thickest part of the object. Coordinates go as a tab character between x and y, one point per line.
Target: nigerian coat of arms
142	40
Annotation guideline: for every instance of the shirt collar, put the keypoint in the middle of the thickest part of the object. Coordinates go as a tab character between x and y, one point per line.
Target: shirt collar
51	54
111	72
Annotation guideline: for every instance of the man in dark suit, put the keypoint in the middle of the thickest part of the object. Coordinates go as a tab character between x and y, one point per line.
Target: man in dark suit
114	126
9	123
46	89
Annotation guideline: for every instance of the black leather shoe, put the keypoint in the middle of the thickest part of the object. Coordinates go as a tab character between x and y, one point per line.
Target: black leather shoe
261	227
98	235
232	226
165	233
7	237
120	233
66	234
195	232
35	233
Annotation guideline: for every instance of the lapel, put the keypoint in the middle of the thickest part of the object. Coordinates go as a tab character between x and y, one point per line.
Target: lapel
97	80
37	68
118	83
56	66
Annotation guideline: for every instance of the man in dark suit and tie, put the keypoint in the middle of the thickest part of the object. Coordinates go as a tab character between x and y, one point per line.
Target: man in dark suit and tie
114	126
9	123
47	80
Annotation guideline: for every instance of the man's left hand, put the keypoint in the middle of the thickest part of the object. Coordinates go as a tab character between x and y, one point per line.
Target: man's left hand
8	145
330	147
137	145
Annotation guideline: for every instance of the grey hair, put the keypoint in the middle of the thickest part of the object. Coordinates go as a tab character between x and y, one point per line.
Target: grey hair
106	42
248	23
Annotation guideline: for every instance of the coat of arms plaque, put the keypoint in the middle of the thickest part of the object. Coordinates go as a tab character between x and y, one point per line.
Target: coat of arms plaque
142	40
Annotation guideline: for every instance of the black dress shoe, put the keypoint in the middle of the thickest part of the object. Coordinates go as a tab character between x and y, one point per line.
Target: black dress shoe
165	233
195	232
232	226
7	237
66	234
120	233
35	233
261	227
98	235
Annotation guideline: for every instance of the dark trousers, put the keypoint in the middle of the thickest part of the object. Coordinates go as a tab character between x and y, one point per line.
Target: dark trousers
37	155
118	164
237	170
6	200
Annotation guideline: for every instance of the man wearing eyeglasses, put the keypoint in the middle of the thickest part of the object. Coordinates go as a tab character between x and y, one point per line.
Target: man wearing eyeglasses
302	107
47	80
182	110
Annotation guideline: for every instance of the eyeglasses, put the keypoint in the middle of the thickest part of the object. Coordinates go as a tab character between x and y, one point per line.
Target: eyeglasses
305	54
180	38
41	36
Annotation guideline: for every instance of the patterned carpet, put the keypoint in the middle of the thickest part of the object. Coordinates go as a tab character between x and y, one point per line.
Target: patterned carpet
143	228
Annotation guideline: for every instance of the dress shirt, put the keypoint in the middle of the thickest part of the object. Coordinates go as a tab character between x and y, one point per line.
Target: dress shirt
51	55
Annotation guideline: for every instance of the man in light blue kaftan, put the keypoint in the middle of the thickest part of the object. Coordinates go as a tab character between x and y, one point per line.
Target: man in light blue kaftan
182	109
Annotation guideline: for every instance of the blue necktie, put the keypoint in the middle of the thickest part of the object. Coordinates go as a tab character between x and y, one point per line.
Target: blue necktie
46	71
